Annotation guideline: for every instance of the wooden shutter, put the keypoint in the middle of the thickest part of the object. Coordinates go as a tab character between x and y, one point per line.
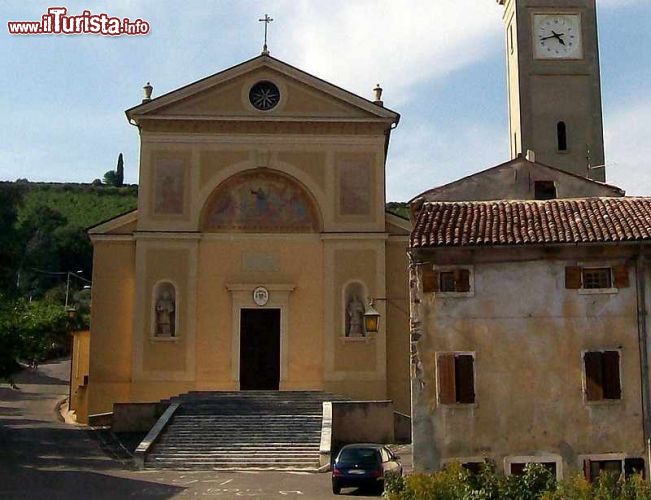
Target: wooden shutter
572	277
465	378
611	386
462	280
430	279
593	376
620	274
447	389
587	469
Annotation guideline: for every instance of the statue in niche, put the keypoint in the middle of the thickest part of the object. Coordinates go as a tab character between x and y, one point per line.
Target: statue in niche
165	315
355	317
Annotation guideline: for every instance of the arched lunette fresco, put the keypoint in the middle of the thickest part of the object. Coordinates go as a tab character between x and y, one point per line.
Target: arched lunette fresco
260	201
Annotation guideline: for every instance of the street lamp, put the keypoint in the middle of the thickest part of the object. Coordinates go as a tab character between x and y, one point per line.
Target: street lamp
76	275
371	318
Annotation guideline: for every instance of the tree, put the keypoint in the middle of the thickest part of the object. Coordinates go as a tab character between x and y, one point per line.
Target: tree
120	171
40	248
110	178
30	332
10	247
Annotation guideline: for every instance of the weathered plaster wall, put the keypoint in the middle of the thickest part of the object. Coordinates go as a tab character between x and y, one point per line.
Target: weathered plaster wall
527	333
516	181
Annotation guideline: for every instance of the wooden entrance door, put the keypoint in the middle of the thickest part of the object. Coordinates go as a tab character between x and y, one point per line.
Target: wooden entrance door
260	349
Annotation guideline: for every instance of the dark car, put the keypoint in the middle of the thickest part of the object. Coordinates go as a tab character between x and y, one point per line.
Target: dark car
364	466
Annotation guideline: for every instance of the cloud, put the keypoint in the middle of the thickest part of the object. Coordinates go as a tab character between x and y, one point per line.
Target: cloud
397	44
628	147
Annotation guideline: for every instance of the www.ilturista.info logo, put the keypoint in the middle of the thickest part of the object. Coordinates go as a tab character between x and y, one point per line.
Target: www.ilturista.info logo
58	22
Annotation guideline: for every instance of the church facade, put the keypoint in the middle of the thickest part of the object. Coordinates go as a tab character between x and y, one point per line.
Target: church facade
259	241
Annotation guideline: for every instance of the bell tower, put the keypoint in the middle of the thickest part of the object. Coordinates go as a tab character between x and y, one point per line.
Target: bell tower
554	88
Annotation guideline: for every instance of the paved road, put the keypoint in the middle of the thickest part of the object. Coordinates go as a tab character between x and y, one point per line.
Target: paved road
43	458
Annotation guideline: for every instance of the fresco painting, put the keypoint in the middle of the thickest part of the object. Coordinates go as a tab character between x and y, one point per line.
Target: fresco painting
260	202
169	187
354	187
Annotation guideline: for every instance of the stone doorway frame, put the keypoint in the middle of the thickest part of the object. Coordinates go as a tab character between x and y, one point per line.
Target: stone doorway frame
242	298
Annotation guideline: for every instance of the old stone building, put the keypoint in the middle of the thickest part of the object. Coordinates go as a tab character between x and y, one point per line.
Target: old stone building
259	239
529	281
529	334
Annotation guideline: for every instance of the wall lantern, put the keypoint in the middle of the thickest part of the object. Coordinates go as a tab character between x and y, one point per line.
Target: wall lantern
371	318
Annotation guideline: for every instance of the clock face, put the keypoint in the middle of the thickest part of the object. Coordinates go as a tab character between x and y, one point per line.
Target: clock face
557	36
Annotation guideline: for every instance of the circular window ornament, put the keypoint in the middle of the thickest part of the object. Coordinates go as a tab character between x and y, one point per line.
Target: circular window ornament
261	296
264	96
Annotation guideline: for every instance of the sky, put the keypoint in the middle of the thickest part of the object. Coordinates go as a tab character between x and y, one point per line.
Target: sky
441	64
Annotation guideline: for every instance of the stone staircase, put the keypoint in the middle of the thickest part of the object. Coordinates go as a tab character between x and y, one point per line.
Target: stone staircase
238	430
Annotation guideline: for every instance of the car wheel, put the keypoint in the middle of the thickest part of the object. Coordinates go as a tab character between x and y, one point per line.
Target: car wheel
336	488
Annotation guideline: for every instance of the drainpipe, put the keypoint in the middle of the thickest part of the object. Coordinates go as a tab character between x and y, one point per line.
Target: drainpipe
640	281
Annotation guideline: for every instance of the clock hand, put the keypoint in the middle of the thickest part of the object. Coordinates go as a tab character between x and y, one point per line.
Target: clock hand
559	36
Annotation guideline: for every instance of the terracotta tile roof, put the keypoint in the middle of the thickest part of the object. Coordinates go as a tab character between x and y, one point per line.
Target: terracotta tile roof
585	220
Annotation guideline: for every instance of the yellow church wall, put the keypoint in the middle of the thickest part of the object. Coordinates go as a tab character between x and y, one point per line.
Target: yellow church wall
78	373
355	367
213	161
165	260
166	354
342	174
111	320
259	260
398	381
313	163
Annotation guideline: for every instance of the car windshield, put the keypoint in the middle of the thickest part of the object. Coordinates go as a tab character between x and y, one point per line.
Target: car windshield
359	456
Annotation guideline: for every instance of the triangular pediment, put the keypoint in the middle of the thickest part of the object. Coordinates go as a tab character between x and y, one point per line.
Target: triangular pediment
123	224
225	95
516	180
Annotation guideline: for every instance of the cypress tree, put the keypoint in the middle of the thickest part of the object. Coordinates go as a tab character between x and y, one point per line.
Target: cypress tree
119	179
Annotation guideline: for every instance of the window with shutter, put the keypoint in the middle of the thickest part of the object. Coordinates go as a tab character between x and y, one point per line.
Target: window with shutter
430	279
593	376
611	385
447	281
620	274
602	377
454	280
456	376
597	277
593	468
447	389
572	277
465	378
462	280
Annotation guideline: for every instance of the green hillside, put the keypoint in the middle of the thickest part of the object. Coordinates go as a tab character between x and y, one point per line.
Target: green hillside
83	205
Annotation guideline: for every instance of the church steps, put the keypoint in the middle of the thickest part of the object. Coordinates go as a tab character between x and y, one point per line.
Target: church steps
251	429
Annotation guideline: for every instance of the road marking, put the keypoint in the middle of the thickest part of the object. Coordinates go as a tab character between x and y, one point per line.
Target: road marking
291	492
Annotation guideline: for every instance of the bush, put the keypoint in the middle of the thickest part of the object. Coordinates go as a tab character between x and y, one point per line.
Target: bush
537	482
